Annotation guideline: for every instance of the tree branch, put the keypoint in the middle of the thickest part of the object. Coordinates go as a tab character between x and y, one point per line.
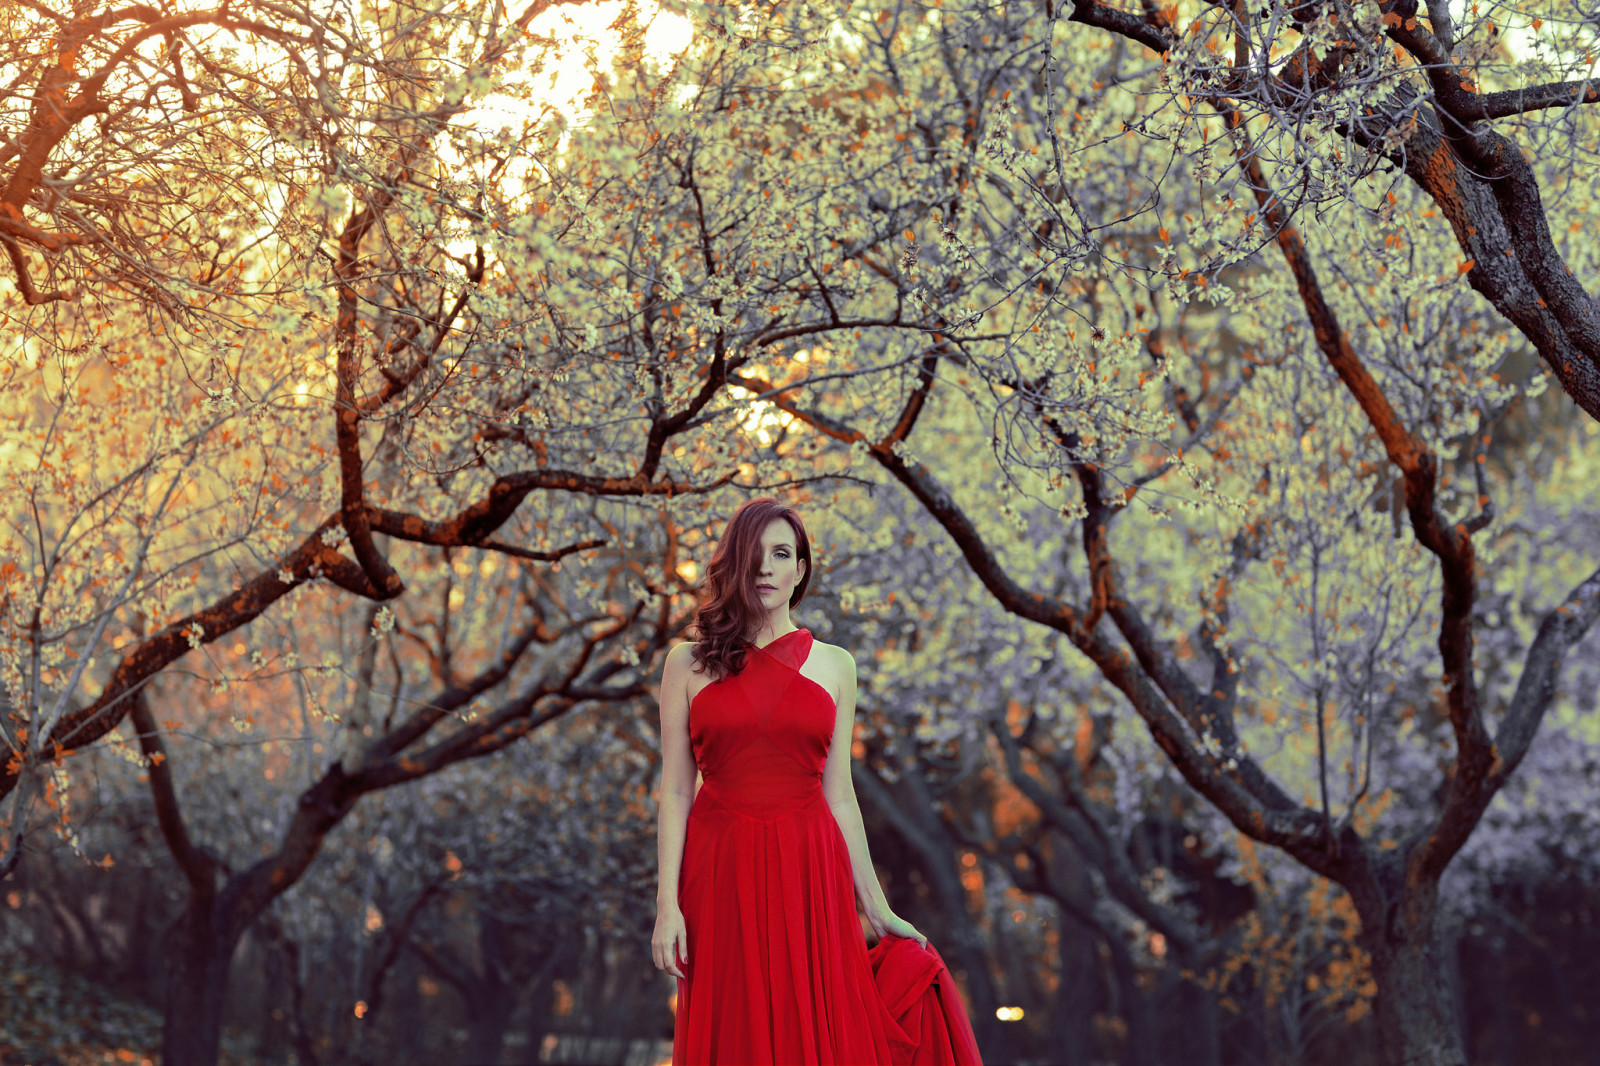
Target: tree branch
1123	23
1077	823
198	867
1536	98
1451	545
19	263
335	794
474	524
347	411
1536	688
396	936
313	559
1493	203
458	696
1264	817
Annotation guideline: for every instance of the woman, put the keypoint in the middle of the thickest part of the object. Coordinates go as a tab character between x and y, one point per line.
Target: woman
754	912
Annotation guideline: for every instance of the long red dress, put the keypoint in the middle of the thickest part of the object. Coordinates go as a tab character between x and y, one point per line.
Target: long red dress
778	969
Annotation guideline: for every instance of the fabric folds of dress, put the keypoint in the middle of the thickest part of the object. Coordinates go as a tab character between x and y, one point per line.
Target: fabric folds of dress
778	970
922	998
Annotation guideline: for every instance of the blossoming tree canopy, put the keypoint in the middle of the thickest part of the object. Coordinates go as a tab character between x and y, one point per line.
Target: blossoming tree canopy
246	219
1215	340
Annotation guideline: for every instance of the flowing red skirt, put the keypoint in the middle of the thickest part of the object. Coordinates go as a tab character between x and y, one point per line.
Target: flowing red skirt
778	969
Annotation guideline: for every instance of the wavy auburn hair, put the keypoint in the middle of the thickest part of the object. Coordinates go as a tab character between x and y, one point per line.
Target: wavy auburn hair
731	609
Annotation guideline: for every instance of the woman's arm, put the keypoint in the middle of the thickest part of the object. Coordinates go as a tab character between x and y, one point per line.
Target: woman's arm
841	794
670	945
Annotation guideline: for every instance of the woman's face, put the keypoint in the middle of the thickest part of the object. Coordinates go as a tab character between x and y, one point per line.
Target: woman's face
780	569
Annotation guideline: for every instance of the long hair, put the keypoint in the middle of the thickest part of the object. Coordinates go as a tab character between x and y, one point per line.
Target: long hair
730	609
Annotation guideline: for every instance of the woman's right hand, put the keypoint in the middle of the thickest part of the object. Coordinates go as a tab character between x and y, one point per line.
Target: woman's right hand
669	947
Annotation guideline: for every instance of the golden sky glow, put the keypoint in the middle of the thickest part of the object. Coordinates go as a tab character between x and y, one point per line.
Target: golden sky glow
584	30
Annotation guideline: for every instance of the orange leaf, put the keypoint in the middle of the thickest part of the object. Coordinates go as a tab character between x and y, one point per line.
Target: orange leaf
1468	265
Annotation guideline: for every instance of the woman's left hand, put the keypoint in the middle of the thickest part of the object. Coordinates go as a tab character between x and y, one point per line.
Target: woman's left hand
891	924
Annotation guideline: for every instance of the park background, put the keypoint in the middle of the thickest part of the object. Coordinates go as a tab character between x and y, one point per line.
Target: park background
1193	408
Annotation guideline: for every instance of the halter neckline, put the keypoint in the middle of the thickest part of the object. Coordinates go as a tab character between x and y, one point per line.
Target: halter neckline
774	640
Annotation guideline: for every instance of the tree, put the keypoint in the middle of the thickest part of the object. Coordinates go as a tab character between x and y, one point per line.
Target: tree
197	493
1077	425
224	901
827	243
1017	785
224	304
539	900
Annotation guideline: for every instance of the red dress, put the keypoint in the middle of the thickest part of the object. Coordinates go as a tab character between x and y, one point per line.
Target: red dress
778	969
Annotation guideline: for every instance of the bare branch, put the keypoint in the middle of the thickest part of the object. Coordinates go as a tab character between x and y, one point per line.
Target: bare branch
1534	98
1536	687
30	295
1266	815
549	556
1560	630
198	867
315	558
1076	819
1123	23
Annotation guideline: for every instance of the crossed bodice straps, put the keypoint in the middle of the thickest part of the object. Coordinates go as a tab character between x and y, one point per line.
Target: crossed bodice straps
761	736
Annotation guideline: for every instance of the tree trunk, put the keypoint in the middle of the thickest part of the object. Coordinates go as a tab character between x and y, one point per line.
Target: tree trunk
1202	1033
489	1014
1415	1006
272	1035
1141	1047
409	1028
492	1002
537	1024
1072	1026
967	952
200	951
1502	1033
539	991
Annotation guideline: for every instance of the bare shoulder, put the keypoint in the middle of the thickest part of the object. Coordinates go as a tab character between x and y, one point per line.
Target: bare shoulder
680	662
839	663
678	656
685	670
839	655
681	675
